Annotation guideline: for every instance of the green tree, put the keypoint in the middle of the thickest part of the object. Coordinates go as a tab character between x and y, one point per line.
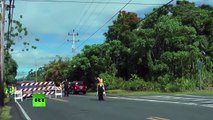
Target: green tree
122	28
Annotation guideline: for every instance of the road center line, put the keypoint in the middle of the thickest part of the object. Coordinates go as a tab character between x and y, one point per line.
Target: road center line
61	100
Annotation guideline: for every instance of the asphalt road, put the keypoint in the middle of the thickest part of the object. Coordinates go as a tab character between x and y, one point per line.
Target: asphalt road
79	107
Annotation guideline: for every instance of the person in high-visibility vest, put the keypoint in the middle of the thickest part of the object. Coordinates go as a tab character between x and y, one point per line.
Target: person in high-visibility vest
13	90
100	88
6	91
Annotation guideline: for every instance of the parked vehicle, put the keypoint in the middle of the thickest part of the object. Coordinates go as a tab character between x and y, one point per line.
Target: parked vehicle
77	87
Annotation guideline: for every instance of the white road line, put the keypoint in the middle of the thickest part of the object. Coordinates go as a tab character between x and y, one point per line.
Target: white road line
23	111
148	100
152	100
210	106
176	98
61	100
194	96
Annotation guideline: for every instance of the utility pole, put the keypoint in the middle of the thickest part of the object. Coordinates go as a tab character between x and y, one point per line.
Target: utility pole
73	34
2	53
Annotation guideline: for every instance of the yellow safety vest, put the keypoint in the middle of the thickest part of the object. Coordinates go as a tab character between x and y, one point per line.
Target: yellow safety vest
101	82
13	90
5	90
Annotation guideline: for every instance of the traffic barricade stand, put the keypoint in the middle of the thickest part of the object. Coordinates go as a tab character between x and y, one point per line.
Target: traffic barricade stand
18	95
46	88
58	92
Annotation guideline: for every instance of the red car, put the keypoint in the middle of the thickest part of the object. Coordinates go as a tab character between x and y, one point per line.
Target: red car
77	87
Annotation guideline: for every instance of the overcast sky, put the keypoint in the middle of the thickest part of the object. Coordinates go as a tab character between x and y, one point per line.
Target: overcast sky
51	22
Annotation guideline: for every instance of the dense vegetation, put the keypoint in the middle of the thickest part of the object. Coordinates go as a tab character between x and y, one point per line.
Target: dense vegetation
159	53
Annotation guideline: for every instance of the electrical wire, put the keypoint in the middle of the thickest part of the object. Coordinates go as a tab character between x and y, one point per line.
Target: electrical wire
83	2
104	24
94	20
84	14
116	14
86	21
156	11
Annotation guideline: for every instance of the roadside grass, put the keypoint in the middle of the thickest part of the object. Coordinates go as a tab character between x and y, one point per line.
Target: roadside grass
152	93
5	112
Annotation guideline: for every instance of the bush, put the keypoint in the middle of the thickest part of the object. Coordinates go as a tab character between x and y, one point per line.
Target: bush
135	83
163	81
112	82
184	84
207	80
171	88
152	86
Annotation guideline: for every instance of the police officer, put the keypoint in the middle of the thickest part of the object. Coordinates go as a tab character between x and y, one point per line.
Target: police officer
100	88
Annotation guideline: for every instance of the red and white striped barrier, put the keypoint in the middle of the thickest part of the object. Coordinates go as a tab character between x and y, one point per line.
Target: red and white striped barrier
58	88
46	93
47	88
38	83
58	92
38	89
18	95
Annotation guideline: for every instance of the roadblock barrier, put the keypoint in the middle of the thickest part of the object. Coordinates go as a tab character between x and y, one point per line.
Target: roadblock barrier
58	92
46	93
38	83
48	88
18	95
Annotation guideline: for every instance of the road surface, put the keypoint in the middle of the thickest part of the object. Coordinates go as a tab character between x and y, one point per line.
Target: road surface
79	107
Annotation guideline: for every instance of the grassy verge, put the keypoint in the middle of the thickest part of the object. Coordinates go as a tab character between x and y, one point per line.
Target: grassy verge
5	112
151	93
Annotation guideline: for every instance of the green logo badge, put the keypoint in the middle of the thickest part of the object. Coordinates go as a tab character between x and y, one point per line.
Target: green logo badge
39	100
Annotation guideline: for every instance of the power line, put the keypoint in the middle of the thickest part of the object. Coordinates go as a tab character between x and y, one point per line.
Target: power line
86	21
94	20
83	2
117	13
61	44
84	14
156	10
104	24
